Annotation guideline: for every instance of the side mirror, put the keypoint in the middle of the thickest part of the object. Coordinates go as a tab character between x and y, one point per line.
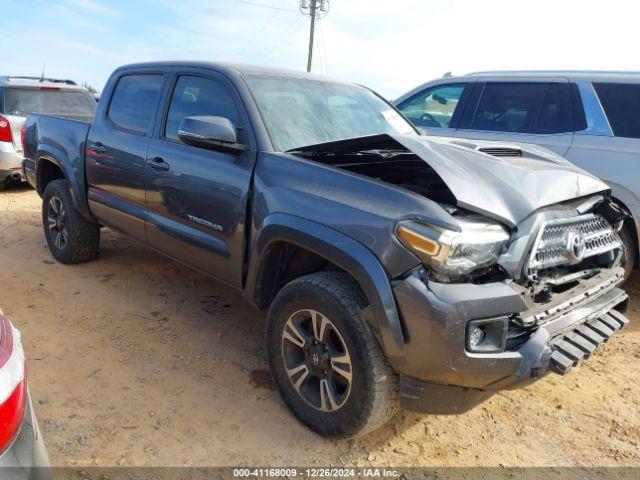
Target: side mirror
213	133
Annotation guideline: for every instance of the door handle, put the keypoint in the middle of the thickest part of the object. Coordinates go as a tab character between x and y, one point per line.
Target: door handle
158	164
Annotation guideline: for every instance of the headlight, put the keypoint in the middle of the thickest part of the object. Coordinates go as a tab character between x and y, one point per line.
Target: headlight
479	244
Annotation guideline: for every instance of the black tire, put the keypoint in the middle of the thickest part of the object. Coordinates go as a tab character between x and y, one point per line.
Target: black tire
3	185
629	251
72	239
371	398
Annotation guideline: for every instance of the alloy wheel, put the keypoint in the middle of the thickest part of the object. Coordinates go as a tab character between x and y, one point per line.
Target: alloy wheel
317	360
56	217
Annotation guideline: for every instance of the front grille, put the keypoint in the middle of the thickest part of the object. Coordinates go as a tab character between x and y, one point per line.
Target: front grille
568	241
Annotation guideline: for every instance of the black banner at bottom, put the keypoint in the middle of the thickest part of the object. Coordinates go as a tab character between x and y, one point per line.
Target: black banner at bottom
192	473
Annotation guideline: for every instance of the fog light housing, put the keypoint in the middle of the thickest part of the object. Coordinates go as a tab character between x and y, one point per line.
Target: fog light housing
487	335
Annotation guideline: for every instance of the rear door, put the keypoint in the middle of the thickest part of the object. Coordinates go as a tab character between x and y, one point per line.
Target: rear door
538	112
116	150
609	145
197	198
436	109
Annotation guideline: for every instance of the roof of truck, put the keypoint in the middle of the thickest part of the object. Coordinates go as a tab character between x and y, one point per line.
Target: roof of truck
38	82
231	67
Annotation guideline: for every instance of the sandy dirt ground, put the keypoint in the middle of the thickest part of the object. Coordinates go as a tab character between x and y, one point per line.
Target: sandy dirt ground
136	360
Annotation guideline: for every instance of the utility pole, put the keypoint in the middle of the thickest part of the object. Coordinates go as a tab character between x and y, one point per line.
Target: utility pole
316	9
311	32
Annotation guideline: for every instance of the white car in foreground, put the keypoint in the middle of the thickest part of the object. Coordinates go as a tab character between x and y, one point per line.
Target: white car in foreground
22	451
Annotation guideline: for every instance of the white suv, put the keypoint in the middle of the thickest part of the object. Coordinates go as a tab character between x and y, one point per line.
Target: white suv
590	118
22	95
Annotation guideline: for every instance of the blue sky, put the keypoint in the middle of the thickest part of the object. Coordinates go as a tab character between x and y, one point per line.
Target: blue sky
390	46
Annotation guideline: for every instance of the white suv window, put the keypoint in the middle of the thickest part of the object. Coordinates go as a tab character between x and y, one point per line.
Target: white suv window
621	102
433	107
509	107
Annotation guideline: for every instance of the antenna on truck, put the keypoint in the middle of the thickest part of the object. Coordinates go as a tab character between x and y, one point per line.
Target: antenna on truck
42	76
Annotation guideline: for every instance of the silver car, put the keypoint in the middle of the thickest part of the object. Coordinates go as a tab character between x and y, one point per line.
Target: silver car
590	118
22	95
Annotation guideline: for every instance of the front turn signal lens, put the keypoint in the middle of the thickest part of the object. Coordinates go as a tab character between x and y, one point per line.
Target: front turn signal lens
419	243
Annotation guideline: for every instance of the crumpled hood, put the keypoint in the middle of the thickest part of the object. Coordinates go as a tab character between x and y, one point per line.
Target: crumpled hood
508	189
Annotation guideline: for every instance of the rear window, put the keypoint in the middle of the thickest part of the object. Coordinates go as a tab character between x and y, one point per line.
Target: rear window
21	101
621	103
134	102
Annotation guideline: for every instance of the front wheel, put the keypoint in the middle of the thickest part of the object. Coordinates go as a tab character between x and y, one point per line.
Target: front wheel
326	362
628	250
71	238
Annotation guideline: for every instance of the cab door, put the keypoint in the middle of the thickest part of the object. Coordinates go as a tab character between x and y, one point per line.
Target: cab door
197	197
537	112
116	150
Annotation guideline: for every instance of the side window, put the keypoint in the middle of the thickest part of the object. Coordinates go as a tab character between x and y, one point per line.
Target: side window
433	107
197	96
134	102
508	107
621	102
556	114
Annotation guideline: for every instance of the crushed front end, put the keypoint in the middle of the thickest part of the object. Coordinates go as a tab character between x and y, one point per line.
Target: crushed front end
546	303
517	262
574	263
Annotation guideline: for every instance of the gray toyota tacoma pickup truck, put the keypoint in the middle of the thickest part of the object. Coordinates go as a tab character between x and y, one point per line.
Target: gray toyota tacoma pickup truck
397	269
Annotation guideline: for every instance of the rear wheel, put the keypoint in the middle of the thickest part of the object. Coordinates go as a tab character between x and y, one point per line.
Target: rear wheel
71	238
326	362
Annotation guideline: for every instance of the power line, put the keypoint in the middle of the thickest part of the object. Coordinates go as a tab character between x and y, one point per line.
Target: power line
323	66
315	9
290	33
261	29
324	49
267	6
286	33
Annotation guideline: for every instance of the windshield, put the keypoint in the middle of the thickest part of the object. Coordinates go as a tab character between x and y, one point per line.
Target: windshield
300	112
21	101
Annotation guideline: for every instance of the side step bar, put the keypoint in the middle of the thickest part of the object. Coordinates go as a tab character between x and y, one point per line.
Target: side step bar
571	348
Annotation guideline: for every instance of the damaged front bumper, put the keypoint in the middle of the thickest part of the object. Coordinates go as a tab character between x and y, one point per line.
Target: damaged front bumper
439	375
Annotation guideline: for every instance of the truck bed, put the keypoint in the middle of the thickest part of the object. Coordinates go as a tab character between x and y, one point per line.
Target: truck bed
61	137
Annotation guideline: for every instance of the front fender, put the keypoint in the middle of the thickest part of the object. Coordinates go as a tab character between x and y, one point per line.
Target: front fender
347	254
48	153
